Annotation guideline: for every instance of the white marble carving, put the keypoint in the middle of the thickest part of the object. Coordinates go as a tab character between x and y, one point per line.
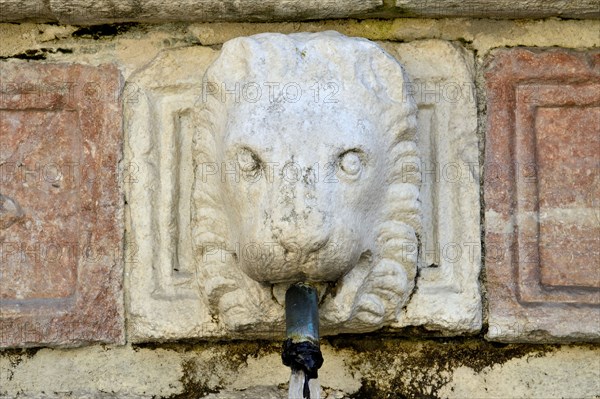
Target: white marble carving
298	156
448	298
295	158
161	289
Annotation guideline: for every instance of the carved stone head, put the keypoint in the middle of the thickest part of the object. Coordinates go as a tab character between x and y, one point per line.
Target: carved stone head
301	151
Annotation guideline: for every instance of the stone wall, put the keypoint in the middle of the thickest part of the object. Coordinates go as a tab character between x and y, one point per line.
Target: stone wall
527	325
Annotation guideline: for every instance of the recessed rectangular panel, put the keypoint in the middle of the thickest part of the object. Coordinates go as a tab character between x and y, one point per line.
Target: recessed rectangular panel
568	160
541	190
39	258
60	232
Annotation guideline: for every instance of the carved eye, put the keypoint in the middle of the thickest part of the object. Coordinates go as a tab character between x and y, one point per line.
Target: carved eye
248	160
351	163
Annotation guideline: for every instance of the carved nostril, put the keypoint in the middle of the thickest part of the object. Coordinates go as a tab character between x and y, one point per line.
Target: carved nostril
302	244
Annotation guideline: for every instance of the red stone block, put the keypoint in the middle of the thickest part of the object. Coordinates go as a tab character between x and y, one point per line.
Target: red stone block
542	195
60	208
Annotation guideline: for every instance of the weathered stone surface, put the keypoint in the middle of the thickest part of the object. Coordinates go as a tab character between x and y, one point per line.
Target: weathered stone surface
105	11
165	301
501	8
60	209
371	368
307	170
542	184
132	47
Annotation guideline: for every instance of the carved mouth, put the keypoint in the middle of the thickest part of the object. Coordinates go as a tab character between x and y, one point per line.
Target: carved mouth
278	290
303	254
321	260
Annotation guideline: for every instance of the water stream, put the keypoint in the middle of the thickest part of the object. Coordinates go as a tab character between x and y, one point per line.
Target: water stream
296	390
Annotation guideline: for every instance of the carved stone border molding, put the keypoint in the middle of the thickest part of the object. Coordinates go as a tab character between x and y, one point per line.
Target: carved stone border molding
447	296
164	300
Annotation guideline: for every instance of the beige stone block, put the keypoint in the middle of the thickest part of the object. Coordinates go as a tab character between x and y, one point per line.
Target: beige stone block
500	8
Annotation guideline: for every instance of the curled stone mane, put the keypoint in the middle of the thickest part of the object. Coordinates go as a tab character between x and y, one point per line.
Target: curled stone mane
373	292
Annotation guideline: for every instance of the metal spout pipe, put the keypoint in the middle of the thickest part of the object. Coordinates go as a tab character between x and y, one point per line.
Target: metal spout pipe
301	350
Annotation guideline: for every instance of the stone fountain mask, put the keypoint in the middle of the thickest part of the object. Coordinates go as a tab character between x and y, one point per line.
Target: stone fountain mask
305	158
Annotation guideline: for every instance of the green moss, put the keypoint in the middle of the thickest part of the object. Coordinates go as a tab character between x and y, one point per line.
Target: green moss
193	387
197	374
237	353
374	29
410	368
